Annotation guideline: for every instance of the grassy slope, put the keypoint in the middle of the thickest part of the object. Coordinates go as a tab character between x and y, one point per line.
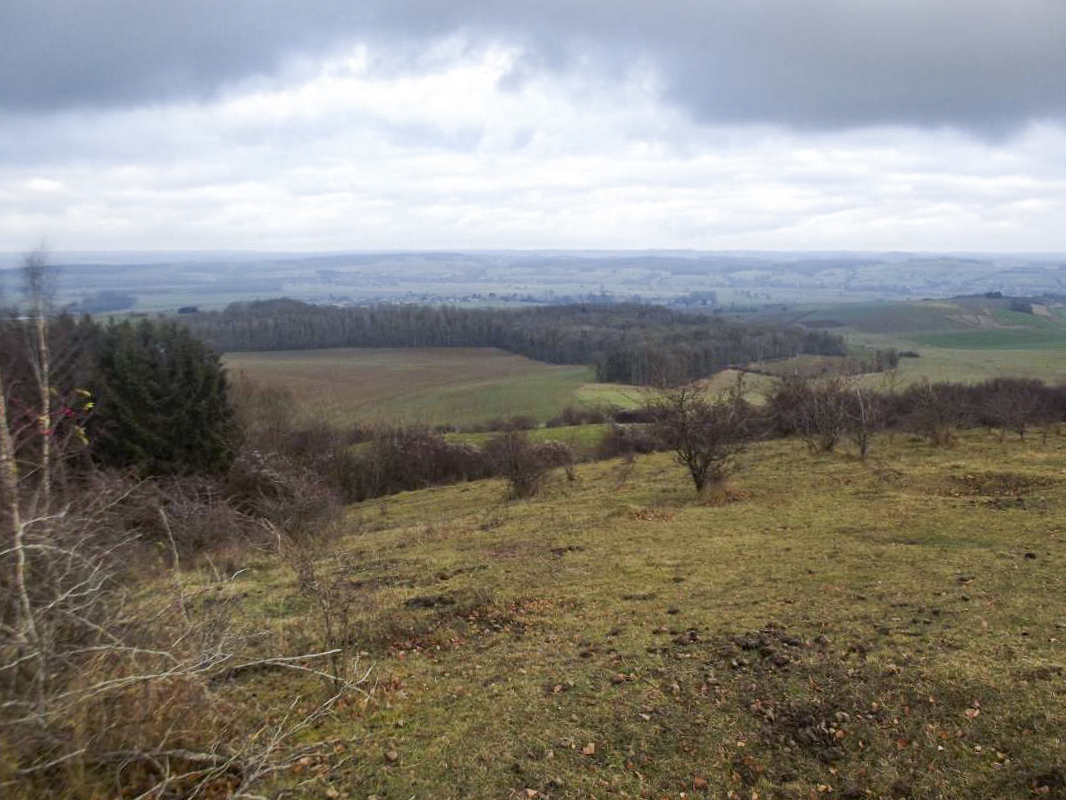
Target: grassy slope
971	366
426	386
620	638
946	364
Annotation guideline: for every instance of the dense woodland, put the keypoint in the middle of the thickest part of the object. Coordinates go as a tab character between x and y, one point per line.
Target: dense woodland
627	343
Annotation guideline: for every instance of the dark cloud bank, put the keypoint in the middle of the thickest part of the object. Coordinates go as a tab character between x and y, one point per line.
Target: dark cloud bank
985	65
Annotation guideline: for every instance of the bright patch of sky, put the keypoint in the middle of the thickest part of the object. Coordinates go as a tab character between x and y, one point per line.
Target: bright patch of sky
469	137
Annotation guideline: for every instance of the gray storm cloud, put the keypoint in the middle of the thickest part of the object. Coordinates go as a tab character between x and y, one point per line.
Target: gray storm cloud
984	65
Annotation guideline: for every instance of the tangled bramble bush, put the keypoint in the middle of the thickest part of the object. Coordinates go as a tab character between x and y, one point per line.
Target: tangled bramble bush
523	463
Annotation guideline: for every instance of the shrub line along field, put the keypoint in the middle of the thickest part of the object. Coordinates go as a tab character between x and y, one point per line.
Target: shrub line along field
822	627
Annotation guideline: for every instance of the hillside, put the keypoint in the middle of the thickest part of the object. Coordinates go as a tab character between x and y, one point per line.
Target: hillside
825	628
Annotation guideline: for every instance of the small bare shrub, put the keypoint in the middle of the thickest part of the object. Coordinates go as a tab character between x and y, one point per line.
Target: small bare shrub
936	410
622	440
704	434
322	578
816	409
524	464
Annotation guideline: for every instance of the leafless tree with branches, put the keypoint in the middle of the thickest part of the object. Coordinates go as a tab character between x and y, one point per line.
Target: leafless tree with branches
704	433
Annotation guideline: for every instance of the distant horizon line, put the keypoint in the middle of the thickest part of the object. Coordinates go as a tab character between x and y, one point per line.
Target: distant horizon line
549	250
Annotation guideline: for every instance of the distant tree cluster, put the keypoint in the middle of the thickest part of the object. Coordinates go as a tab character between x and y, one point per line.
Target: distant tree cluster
103	301
627	343
1020	305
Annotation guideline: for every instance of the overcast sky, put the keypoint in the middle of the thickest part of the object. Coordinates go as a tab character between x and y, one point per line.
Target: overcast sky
416	124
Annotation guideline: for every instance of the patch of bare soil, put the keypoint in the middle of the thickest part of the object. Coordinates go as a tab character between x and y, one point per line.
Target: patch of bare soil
995	485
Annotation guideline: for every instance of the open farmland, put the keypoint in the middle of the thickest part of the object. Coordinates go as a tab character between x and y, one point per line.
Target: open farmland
1004	338
824	628
415	386
974	365
966	339
940	364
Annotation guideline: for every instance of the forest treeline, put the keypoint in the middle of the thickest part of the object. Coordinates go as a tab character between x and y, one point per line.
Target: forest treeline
626	342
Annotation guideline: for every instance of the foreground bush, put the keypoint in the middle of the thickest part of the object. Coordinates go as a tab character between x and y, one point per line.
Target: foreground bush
622	440
523	463
402	459
704	434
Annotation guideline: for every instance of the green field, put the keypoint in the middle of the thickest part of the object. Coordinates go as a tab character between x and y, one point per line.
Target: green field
972	366
944	364
823	628
888	317
610	394
427	386
1030	338
966	339
582	439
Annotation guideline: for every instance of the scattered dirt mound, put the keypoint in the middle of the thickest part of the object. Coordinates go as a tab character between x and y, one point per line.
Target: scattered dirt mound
844	718
995	484
651	514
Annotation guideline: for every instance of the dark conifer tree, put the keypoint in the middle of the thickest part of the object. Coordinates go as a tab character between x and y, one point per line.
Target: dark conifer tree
162	397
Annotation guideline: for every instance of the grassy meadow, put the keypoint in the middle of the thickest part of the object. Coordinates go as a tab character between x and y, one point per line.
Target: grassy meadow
823	627
426	386
936	364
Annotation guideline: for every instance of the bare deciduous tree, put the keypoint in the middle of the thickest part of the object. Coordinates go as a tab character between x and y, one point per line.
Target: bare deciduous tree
868	411
40	277
1012	404
937	409
704	434
815	409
